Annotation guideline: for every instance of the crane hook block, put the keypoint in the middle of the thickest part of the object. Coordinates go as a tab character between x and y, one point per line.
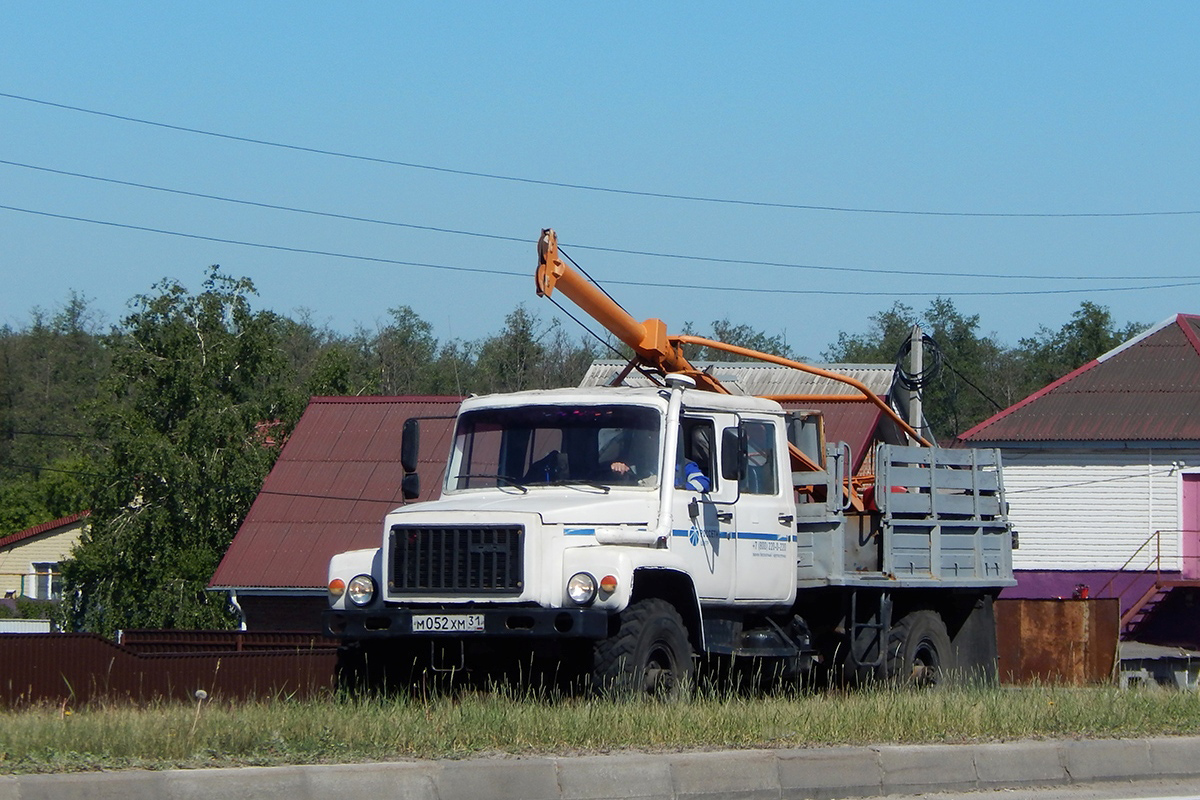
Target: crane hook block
550	268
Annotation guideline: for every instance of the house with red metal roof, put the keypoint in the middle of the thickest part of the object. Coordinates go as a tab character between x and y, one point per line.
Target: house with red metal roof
334	481
29	559
1102	472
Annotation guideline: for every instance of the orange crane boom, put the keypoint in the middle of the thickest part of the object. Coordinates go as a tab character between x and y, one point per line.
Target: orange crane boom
648	339
658	350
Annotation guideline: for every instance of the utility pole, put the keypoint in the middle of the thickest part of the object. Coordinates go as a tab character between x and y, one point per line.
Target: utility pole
916	366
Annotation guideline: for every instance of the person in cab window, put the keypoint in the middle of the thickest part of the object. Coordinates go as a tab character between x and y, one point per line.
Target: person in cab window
629	457
689	474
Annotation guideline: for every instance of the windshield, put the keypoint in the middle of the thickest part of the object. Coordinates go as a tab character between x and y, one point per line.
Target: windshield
604	445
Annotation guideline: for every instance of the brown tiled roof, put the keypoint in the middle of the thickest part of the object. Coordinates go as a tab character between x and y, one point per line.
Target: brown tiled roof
1148	389
45	527
337	477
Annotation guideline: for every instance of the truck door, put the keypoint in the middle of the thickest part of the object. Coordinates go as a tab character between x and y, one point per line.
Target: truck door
704	526
766	527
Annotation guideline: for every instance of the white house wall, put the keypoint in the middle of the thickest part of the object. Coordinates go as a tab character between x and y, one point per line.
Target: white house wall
1093	510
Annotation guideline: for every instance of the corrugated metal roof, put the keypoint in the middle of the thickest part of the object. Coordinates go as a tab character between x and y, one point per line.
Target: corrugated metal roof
337	477
45	527
754	378
1148	389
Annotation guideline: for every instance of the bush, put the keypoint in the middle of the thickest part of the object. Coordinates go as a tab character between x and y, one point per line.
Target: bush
29	608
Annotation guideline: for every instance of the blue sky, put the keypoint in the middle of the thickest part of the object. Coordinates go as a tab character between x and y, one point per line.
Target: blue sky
966	108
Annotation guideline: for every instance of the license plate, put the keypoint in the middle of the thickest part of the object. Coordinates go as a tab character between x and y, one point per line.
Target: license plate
447	623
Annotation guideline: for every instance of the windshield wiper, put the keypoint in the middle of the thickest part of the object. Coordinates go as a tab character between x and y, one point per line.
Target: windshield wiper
580	482
498	478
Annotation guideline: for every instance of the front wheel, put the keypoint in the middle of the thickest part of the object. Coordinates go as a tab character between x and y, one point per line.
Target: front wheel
919	650
649	655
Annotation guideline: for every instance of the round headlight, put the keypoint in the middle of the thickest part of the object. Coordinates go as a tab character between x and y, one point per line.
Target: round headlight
581	588
361	589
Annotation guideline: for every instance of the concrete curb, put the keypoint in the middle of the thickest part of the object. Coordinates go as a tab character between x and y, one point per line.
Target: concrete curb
819	773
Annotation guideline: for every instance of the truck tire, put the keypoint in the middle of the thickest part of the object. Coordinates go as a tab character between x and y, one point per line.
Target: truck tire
649	655
919	650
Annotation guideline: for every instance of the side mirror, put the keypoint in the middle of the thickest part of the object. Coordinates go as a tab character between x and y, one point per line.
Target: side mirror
410	486
410	445
733	454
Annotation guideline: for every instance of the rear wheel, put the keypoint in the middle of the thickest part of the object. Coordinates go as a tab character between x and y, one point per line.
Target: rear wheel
649	655
919	650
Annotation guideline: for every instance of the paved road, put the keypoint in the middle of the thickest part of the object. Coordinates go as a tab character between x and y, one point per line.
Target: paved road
1177	789
821	773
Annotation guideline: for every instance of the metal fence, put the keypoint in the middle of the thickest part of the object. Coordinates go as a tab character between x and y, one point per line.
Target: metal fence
1047	641
80	668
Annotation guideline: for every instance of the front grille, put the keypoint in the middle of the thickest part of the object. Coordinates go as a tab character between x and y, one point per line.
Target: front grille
482	559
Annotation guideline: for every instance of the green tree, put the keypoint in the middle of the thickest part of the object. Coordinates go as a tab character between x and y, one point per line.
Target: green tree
526	354
326	362
51	492
961	394
1091	332
880	343
740	335
565	360
454	371
405	351
195	409
512	360
973	366
49	372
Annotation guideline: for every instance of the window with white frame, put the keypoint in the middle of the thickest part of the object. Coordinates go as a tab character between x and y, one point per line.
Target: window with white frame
47	582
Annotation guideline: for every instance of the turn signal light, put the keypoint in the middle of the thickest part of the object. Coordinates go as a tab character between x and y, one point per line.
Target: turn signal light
608	584
337	587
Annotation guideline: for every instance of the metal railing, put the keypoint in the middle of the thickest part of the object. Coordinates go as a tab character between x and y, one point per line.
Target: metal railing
1131	579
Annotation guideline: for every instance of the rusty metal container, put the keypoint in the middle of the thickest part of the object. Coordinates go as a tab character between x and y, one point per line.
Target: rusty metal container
1058	641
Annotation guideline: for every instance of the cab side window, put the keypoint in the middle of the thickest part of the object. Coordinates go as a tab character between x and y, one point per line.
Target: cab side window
761	474
696	445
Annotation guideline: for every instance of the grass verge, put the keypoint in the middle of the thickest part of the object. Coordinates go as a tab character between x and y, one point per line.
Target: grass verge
214	734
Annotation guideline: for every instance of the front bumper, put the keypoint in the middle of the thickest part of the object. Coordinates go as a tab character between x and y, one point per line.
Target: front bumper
516	622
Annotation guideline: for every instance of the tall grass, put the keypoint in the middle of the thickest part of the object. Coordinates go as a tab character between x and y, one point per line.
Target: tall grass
341	729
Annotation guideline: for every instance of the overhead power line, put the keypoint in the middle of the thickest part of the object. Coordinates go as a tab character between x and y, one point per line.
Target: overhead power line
644	284
258	204
260	245
575	245
583	186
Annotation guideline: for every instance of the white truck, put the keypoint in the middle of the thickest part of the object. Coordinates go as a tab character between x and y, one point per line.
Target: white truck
573	535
